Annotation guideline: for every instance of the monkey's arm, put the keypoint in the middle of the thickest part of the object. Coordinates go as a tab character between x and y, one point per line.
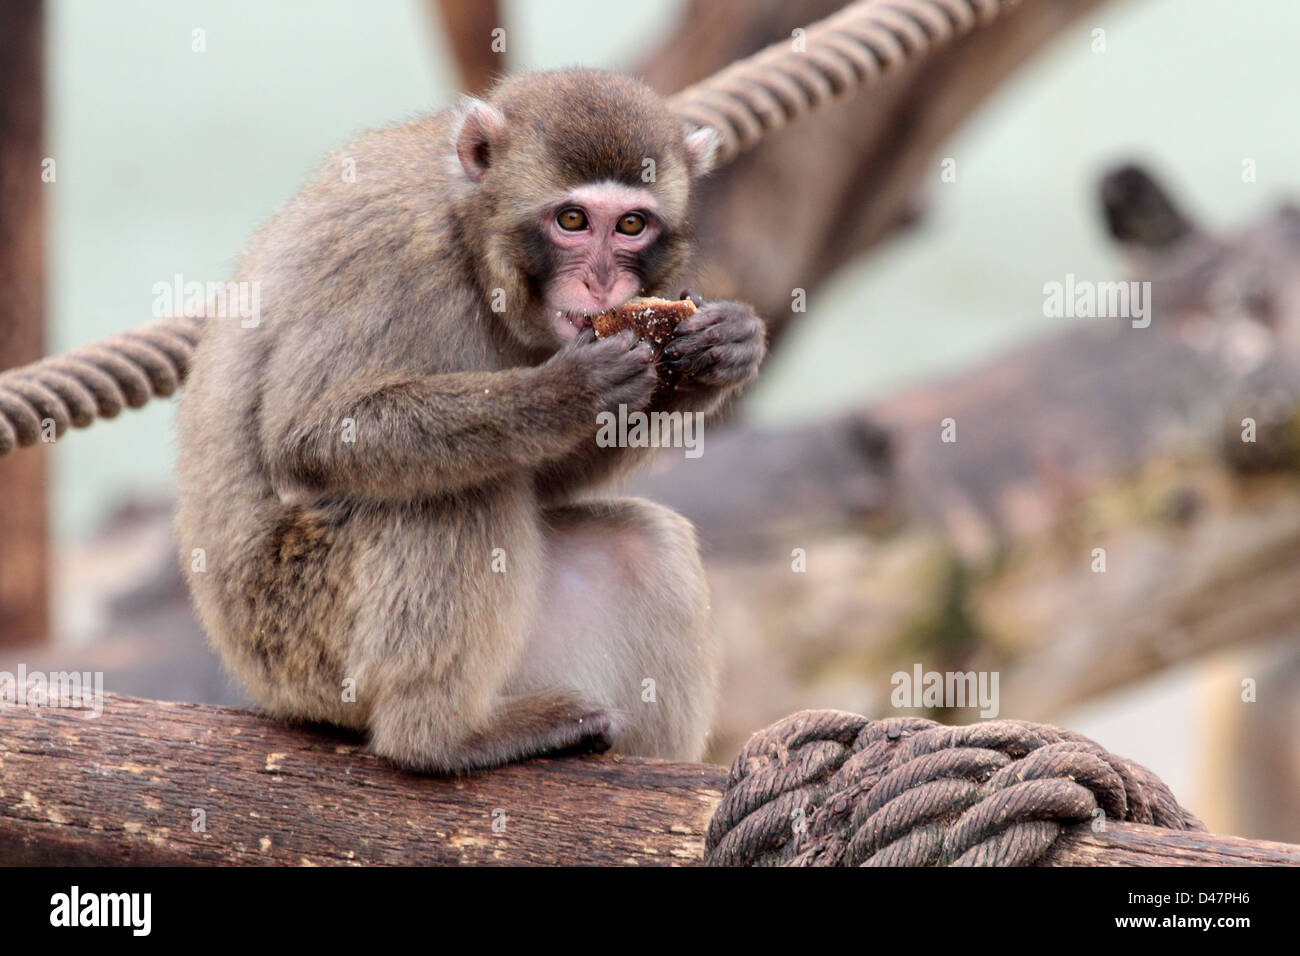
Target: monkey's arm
716	352
401	436
587	466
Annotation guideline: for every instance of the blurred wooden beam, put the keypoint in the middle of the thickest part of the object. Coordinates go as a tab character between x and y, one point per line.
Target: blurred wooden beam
24	556
1097	436
469	25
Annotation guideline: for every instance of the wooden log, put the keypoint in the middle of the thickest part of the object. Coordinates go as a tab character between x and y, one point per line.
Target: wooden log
24	556
153	783
130	786
1134	844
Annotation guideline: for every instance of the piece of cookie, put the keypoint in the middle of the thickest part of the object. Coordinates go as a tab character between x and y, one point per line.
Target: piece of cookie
653	320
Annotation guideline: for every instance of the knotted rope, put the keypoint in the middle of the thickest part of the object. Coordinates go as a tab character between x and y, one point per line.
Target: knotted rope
835	57
829	788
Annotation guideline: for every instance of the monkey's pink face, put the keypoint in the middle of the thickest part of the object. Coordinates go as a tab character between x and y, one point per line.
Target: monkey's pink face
597	238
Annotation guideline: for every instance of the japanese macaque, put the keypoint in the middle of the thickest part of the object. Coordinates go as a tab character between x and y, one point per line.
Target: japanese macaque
389	487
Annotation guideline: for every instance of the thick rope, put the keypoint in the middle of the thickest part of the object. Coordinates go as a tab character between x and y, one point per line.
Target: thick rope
94	381
828	788
835	57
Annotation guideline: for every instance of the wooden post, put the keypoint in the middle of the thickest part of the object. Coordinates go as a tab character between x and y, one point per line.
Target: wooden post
468	25
24	556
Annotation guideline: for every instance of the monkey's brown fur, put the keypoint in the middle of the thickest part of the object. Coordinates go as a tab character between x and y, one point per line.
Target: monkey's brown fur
348	467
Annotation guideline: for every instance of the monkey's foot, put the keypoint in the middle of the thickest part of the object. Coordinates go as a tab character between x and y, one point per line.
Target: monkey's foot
597	732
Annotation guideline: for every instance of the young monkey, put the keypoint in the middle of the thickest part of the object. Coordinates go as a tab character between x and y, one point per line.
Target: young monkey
387	487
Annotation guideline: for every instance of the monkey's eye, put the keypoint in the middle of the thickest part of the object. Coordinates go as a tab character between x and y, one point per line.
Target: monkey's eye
572	219
631	224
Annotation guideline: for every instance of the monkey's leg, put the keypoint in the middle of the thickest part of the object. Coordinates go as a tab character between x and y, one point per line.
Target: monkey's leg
439	633
410	731
622	619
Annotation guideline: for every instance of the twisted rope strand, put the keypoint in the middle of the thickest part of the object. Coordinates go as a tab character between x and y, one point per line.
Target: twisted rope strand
838	56
95	381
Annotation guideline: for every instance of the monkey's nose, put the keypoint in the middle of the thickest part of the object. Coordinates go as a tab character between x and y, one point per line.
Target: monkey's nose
602	293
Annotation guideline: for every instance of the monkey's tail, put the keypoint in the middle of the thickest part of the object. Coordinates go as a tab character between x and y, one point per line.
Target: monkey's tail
40	401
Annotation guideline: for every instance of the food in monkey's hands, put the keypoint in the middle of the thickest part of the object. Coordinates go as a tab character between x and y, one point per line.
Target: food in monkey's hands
653	320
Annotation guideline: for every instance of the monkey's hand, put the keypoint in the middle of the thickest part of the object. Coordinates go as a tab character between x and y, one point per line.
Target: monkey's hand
718	348
616	371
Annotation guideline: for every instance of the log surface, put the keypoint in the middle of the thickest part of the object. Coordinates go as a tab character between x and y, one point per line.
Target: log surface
1134	844
122	789
130	787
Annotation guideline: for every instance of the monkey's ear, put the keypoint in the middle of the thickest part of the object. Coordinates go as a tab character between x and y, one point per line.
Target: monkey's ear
480	130
702	149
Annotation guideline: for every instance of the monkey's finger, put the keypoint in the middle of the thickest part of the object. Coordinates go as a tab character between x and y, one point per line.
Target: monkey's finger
586	335
625	341
692	340
723	364
703	319
690	366
627	344
730	331
611	348
635	390
628	366
690	346
715	314
729	368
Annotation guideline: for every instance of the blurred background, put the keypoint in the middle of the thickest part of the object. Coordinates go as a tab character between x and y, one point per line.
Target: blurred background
924	301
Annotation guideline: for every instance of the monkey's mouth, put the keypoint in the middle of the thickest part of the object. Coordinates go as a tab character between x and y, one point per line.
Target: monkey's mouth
569	324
